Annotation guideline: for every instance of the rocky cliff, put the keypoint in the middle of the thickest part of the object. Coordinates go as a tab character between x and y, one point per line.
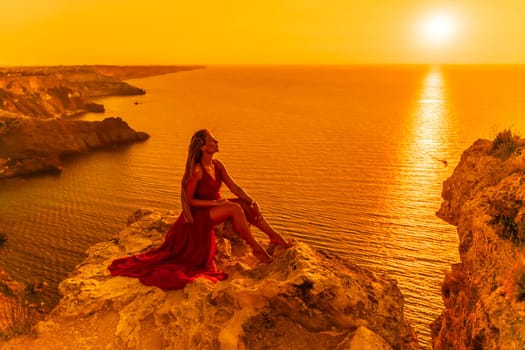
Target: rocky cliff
30	145
304	299
484	295
63	91
35	100
49	93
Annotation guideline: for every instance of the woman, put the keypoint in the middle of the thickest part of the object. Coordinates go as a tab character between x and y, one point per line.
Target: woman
189	247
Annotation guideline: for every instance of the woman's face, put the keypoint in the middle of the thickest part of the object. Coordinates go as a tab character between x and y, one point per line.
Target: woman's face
211	145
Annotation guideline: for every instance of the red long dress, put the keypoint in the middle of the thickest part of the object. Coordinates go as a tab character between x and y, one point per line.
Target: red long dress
187	252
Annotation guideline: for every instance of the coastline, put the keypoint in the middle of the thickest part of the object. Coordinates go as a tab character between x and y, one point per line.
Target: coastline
129	102
38	99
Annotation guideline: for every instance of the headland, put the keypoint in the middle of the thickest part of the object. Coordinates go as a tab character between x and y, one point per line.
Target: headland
38	106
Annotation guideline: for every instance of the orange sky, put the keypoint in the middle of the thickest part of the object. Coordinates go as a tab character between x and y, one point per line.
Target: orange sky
50	32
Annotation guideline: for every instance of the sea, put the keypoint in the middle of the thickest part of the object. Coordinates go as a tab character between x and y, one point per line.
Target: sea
350	159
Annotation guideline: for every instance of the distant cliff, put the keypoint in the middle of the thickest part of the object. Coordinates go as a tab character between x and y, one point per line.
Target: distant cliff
36	101
62	91
304	299
484	295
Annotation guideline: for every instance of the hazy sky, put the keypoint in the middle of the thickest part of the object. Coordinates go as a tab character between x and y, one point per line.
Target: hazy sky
50	32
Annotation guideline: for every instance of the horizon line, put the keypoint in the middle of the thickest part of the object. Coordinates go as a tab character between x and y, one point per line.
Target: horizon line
259	64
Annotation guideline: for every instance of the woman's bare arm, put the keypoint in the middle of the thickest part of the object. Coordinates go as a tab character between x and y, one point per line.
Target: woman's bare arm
232	185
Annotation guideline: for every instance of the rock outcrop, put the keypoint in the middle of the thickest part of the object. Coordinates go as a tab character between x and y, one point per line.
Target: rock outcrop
484	295
304	299
30	145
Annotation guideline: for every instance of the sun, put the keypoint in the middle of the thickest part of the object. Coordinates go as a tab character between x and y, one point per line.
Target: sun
438	29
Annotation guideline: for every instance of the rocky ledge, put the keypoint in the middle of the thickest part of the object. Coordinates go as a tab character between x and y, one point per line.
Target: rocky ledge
484	295
30	145
304	299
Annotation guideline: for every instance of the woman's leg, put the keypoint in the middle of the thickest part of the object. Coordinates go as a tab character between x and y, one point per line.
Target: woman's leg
235	212
255	217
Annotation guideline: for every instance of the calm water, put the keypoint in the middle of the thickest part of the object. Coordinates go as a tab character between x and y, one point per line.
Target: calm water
350	159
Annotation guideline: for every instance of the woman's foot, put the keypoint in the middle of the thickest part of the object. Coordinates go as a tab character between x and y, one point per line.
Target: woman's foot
277	239
262	255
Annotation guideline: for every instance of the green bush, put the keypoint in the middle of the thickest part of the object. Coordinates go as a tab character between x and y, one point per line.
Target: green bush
505	144
504	212
510	229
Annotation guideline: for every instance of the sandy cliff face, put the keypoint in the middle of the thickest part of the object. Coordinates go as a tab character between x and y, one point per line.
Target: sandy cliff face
304	299
484	295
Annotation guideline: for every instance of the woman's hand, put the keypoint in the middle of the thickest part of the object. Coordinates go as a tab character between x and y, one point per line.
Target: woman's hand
221	201
254	205
255	211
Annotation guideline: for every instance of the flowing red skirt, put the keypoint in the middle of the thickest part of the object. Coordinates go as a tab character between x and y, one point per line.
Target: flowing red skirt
186	254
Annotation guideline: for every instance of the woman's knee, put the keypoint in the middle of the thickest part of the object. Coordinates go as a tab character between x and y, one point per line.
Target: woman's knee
226	211
223	212
235	209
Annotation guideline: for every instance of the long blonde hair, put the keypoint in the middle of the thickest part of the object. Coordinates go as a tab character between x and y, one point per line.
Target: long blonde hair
194	157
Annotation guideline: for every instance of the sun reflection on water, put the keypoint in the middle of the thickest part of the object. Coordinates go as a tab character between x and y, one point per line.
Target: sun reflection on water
416	188
430	117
